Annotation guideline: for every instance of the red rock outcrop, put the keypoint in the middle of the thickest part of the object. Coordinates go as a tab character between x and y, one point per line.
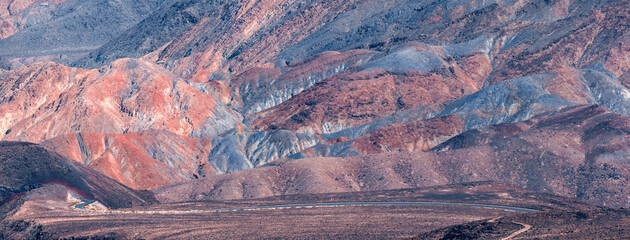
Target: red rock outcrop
46	100
84	113
414	136
350	99
142	160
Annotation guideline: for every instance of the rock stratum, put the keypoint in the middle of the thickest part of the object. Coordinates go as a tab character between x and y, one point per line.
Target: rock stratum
374	94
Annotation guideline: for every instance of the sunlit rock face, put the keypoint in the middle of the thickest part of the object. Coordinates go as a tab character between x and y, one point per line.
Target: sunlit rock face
142	160
46	100
132	120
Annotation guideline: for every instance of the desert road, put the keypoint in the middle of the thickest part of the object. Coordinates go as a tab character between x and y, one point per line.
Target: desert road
525	228
343	204
335	204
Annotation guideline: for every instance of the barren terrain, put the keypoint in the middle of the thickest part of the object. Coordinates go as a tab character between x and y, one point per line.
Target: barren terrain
179	119
48	216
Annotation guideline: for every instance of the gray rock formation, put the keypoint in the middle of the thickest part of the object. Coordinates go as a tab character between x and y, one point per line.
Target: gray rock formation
235	152
75	27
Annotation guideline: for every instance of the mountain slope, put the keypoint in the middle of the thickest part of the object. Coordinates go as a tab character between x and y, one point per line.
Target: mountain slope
141	160
71	28
233	37
153	32
46	100
272	81
17	15
578	152
27	166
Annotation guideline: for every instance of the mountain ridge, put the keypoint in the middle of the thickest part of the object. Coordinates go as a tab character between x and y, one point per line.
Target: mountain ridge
231	86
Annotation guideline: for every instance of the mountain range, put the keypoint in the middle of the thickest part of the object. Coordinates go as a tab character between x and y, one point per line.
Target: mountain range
198	100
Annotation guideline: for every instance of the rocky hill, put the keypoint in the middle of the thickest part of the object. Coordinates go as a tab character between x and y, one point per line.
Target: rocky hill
27	166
